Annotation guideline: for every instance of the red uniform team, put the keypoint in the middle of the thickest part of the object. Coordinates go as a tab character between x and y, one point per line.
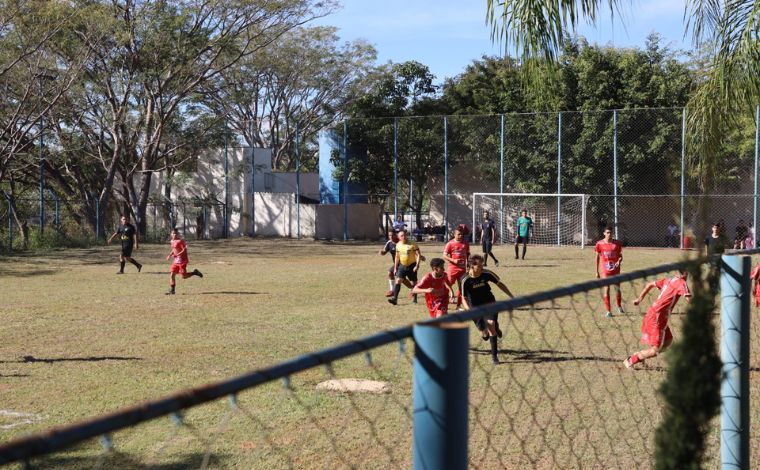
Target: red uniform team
456	252
609	255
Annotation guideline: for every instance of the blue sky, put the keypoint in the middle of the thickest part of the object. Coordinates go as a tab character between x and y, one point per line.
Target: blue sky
446	36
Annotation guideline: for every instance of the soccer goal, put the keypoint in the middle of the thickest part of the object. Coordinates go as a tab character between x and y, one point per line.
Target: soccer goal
558	219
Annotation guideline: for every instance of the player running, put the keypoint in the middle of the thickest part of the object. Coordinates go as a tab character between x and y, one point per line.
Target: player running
436	286
408	258
129	240
456	252
609	255
523	229
390	247
179	265
655	331
487	237
476	291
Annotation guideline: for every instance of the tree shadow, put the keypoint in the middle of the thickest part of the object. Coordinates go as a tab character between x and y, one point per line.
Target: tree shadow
32	359
122	460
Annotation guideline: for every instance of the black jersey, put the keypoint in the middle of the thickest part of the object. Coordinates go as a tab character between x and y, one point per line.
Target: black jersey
487	230
127	234
716	246
390	247
476	290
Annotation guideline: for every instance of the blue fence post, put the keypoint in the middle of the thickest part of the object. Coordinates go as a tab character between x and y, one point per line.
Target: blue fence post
446	176
345	179
734	353
439	396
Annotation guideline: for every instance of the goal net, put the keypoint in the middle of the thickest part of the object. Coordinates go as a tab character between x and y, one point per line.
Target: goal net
558	219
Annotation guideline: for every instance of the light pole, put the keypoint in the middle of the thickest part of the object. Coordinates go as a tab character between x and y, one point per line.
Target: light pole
40	78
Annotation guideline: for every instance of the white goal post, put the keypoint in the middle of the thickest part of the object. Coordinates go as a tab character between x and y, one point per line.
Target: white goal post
558	219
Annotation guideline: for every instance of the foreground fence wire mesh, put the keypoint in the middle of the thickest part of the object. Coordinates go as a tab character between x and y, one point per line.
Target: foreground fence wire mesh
559	397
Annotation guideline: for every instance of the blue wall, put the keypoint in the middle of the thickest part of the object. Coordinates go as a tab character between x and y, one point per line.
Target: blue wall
330	188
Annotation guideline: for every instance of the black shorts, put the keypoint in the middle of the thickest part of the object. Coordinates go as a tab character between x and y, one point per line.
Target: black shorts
406	272
487	245
520	239
126	250
481	322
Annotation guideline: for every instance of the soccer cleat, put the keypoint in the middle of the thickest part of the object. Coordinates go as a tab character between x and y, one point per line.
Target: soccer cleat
414	298
497	263
608	315
495	360
392	301
621	311
484	335
171	292
389	293
198	273
498	332
120	272
627	363
139	267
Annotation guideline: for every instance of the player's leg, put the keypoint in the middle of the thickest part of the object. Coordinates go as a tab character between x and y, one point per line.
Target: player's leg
480	323
172	281
619	299
660	343
391	279
525	246
133	261
400	275
122	262
517	247
486	249
493	340
412	276
606	295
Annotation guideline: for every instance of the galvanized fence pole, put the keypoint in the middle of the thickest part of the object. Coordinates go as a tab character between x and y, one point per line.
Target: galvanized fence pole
345	180
446	177
226	184
439	396
615	171
757	152
97	218
298	180
10	223
395	168
734	353
501	184
683	175
559	178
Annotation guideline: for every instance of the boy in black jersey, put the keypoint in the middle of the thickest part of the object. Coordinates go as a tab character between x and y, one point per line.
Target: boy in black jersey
476	291
129	241
390	247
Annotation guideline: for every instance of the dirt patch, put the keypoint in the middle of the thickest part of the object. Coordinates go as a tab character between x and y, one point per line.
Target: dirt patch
355	385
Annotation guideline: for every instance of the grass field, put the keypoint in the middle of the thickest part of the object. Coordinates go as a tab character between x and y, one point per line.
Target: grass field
79	340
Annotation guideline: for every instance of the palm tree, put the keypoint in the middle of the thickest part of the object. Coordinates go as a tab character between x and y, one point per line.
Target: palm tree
729	29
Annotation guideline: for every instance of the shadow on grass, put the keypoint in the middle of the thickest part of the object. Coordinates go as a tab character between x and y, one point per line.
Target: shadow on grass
32	359
521	356
123	460
534	266
223	292
14	375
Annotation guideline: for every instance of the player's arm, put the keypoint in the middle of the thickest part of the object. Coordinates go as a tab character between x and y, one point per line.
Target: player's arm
417	258
137	241
493	233
465	303
597	265
396	261
505	289
112	237
447	257
644	292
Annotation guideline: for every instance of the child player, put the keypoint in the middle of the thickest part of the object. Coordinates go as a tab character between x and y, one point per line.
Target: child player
390	247
456	252
609	255
655	331
435	285
755	276
408	259
179	265
476	291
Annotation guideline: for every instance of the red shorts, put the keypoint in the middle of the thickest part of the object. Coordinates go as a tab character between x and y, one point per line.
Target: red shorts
653	334
455	273
437	306
603	274
757	296
179	268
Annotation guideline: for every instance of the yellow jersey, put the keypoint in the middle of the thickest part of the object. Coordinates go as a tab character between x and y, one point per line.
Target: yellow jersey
406	253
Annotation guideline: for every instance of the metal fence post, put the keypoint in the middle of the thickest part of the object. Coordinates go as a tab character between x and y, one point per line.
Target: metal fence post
734	353
757	151
298	180
559	178
97	218
345	180
683	175
501	184
615	171
446	177
439	396
253	194
225	225
10	223
395	169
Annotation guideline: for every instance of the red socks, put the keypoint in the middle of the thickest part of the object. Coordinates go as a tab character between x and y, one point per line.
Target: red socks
607	302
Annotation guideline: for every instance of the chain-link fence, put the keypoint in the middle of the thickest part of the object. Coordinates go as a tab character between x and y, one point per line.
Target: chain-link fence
557	396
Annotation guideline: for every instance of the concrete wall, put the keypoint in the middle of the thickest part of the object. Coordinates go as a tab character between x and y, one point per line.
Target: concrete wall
276	214
364	221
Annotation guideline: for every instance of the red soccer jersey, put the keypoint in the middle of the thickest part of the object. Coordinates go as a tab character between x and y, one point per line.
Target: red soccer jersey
438	300
177	246
459	251
670	291
609	256
755	274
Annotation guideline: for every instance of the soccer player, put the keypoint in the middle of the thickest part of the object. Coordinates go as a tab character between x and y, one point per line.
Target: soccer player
436	286
755	276
609	255
716	243
655	331
390	247
129	240
476	291
487	237
405	266
456	252
179	265
524	229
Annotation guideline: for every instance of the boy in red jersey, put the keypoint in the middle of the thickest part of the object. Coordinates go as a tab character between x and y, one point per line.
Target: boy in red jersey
655	331
456	252
179	265
609	255
755	276
435	285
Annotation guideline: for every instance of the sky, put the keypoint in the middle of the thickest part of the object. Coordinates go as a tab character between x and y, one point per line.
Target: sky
446	36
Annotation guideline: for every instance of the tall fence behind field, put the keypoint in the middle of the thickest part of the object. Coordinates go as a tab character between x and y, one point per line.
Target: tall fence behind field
559	397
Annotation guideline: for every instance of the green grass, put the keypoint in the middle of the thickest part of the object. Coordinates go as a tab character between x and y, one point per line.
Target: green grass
79	341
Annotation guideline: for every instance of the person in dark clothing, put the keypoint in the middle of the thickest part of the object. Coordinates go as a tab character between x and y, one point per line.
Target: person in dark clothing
129	241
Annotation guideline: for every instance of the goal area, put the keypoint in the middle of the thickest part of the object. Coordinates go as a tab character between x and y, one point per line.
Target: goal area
558	219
